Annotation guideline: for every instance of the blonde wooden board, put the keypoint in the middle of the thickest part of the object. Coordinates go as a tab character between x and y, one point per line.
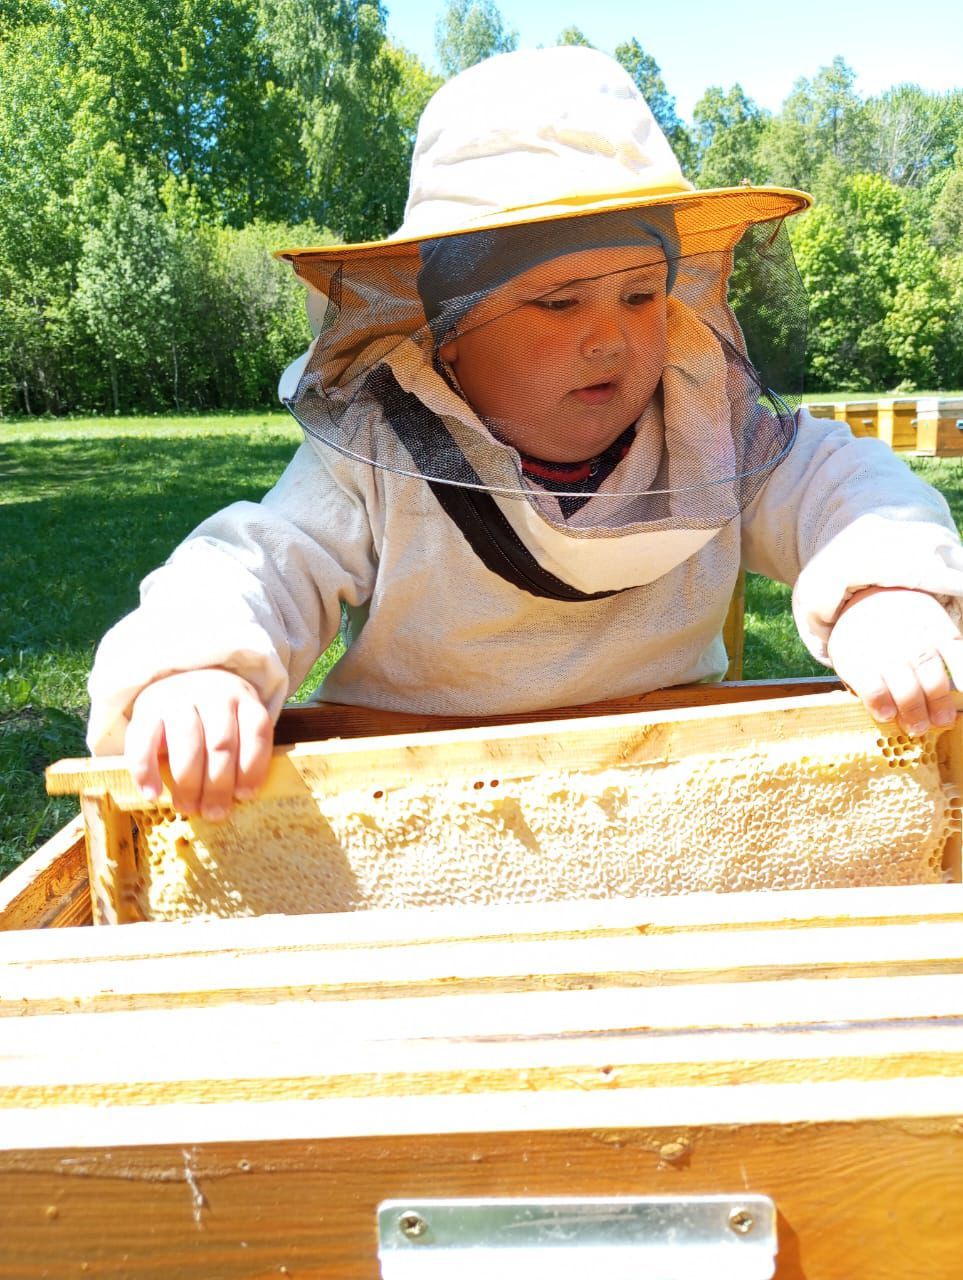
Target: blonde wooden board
447	967
110	859
50	889
937	432
717	915
185	1134
897	424
508	751
309	722
882	1207
862	417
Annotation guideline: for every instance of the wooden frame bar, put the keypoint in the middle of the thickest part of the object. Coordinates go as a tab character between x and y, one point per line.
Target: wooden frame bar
51	888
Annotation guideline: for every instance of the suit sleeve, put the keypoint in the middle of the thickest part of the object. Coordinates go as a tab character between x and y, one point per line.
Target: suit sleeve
841	513
257	588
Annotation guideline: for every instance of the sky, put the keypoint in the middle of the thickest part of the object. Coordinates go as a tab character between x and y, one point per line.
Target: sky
765	47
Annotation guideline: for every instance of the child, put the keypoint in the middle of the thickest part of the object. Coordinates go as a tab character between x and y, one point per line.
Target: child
536	455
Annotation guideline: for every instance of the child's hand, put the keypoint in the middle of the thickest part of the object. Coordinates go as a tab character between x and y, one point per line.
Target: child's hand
216	733
901	653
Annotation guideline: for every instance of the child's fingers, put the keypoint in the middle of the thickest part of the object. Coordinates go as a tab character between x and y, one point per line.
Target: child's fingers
219	774
255	738
934	680
916	689
217	735
951	654
142	748
186	755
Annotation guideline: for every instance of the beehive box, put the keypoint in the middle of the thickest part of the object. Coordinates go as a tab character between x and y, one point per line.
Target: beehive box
822	410
238	1097
939	431
896	424
861	416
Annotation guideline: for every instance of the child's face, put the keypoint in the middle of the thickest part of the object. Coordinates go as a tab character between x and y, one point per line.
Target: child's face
567	355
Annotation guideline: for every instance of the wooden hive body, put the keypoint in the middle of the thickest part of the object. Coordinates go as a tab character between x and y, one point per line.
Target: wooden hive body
235	1098
897	424
939	432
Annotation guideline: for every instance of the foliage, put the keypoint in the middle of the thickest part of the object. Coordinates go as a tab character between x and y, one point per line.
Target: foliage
468	31
152	152
135	137
822	131
877	294
574	36
728	128
914	135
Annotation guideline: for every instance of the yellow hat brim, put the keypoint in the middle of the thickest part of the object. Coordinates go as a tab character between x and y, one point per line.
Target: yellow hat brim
706	221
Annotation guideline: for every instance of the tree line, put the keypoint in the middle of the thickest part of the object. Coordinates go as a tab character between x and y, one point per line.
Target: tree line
153	152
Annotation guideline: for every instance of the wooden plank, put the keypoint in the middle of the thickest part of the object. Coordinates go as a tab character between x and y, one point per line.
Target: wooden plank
897	424
310	722
230	1120
50	888
111	867
951	769
881	1207
503	966
508	751
861	416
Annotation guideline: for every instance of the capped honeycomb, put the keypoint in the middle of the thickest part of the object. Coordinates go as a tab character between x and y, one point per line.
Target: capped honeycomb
840	809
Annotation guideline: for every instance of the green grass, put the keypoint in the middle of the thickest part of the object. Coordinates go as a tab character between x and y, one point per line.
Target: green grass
89	506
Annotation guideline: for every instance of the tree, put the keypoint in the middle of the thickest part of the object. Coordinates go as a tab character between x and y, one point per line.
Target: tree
728	127
647	76
946	221
913	134
56	162
574	36
468	31
127	293
877	300
821	134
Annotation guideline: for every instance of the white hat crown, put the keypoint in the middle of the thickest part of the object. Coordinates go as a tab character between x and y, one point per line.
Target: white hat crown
542	130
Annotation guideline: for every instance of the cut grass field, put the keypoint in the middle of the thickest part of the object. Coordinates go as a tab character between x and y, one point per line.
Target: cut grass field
89	506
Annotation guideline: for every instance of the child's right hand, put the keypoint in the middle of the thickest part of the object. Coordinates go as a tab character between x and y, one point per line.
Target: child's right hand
216	733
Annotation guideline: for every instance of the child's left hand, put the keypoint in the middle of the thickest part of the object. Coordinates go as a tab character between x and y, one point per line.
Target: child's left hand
900	652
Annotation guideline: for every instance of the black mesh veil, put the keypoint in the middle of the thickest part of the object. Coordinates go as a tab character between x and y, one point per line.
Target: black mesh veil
613	376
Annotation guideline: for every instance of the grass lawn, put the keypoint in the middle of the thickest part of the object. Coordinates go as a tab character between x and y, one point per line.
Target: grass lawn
89	506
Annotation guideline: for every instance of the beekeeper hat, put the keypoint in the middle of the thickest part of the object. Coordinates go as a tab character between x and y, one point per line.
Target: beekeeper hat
554	133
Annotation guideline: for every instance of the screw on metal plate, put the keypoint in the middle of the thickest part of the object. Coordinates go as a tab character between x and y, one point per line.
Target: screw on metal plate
412	1224
741	1221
